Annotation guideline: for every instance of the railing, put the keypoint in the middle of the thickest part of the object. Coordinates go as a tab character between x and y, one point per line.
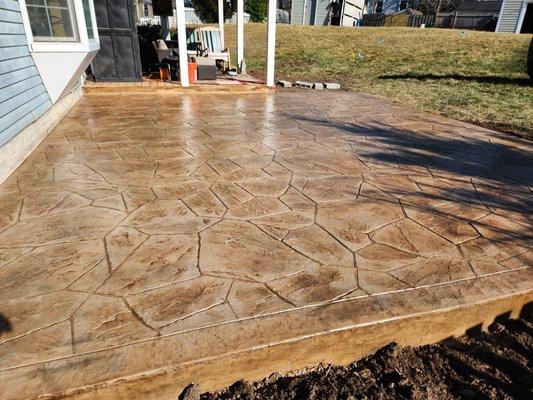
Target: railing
191	17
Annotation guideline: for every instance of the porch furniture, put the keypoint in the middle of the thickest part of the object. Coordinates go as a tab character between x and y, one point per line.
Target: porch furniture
206	68
167	59
162	50
206	42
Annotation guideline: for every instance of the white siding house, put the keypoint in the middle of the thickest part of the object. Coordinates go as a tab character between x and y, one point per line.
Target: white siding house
512	15
41	63
383	6
319	12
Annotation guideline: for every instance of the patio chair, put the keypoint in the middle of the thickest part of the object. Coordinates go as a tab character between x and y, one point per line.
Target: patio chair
205	42
194	44
212	43
166	59
161	50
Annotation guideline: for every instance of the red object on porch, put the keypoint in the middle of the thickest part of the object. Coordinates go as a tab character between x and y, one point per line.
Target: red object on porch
192	72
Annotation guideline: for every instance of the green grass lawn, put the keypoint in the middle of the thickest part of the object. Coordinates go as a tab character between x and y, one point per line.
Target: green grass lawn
477	77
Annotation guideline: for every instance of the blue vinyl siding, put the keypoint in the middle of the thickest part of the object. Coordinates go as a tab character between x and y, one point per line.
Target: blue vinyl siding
23	97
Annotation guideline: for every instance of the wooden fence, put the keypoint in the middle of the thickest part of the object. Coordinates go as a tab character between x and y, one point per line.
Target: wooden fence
374	20
416	21
480	22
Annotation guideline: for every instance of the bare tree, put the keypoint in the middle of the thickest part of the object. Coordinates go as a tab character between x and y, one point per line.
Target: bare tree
438	6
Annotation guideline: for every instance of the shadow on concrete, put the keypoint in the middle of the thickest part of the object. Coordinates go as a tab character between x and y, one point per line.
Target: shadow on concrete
5	325
495	171
497	80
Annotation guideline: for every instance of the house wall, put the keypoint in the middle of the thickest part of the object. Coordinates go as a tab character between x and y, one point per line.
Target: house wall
317	12
14	152
39	81
322	13
509	16
23	97
297	12
352	10
389	6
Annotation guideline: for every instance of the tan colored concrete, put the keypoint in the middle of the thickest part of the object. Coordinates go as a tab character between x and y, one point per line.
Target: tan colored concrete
150	233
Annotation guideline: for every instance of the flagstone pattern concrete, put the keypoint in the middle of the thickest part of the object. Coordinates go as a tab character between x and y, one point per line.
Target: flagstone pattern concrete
140	217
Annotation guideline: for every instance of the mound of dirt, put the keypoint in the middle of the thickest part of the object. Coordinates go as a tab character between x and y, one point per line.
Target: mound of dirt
496	364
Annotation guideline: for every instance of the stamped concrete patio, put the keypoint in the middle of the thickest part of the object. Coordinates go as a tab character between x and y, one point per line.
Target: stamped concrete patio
155	231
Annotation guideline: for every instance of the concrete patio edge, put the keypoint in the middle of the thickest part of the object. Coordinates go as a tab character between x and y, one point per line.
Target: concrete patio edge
118	89
340	331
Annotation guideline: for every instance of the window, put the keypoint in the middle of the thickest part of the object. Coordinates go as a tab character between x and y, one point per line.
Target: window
88	18
52	20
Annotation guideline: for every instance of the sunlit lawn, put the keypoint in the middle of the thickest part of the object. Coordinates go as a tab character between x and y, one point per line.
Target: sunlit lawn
473	76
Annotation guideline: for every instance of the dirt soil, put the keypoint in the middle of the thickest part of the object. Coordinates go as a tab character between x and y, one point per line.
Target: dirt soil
496	364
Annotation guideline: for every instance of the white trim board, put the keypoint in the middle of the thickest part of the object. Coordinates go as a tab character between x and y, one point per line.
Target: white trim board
14	152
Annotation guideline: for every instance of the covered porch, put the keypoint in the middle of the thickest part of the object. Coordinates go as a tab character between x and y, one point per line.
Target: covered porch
130	52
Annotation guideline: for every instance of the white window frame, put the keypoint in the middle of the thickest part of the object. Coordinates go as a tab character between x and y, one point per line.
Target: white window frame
73	38
82	43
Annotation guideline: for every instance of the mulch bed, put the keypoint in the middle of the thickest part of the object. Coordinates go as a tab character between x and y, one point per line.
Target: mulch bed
496	364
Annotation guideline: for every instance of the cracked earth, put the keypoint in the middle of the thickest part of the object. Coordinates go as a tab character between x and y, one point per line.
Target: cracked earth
139	217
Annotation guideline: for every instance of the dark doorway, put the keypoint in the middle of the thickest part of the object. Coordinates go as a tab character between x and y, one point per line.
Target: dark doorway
118	58
527	24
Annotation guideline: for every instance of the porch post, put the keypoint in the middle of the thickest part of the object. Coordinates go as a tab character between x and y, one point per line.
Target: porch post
240	36
271	41
221	22
165	31
182	42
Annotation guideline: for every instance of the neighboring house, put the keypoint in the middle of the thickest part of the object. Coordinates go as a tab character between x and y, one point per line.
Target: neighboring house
326	12
516	16
41	64
389	6
144	9
233	18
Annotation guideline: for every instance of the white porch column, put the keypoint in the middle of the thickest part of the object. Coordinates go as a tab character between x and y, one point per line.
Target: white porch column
240	36
271	41
221	22
182	42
